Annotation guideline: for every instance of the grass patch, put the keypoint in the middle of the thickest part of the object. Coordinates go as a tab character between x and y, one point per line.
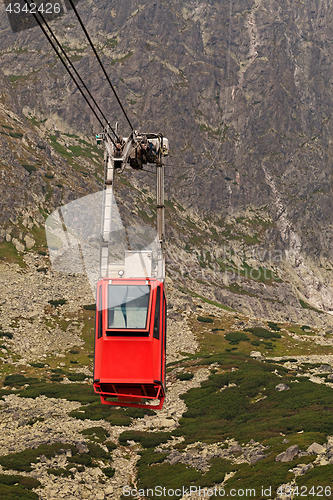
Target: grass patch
122	59
146	439
205	319
77	377
263	332
274	326
22	461
97	433
213	415
9	335
29	168
109	471
178	475
83	393
185	376
18	380
116	416
90	307
58	302
236	337
25	482
8	253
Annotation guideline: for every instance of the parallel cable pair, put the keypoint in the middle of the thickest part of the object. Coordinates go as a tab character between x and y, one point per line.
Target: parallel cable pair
70	65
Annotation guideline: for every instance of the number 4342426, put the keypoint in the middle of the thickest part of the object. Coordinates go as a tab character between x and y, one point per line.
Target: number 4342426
32	8
304	491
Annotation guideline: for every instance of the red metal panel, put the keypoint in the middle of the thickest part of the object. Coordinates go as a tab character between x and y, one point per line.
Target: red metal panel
132	369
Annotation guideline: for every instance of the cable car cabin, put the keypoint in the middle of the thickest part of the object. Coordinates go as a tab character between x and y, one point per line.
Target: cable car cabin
130	342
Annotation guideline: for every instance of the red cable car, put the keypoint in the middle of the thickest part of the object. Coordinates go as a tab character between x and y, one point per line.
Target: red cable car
130	342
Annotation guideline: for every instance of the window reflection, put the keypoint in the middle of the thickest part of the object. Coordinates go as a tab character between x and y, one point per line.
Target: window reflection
128	306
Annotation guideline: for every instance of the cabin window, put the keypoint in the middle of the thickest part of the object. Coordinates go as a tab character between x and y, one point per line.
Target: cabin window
128	306
99	313
156	333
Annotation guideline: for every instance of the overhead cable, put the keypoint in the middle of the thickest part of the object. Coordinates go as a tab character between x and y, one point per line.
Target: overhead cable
100	62
67	69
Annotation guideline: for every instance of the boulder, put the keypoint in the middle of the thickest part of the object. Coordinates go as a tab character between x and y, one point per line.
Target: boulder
288	455
282	387
315	449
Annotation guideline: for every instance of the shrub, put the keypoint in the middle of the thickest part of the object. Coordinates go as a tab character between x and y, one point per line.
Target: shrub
95	451
185	376
110	445
274	326
262	332
29	168
58	302
6	334
19	380
77	377
24	481
90	307
235	337
81	460
205	319
59	472
22	460
97	433
146	439
109	471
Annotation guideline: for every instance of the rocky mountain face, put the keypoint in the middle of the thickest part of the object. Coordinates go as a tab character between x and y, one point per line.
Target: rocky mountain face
243	92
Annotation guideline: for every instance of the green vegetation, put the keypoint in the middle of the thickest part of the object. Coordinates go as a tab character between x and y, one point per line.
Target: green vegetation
236	337
77	377
90	307
18	380
109	471
96	433
83	393
263	332
110	43
29	168
185	376
208	301
178	475
18	487
58	302
17	135
213	415
59	472
9	335
116	416
8	253
305	305
146	439
22	460
205	319
122	59
273	326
